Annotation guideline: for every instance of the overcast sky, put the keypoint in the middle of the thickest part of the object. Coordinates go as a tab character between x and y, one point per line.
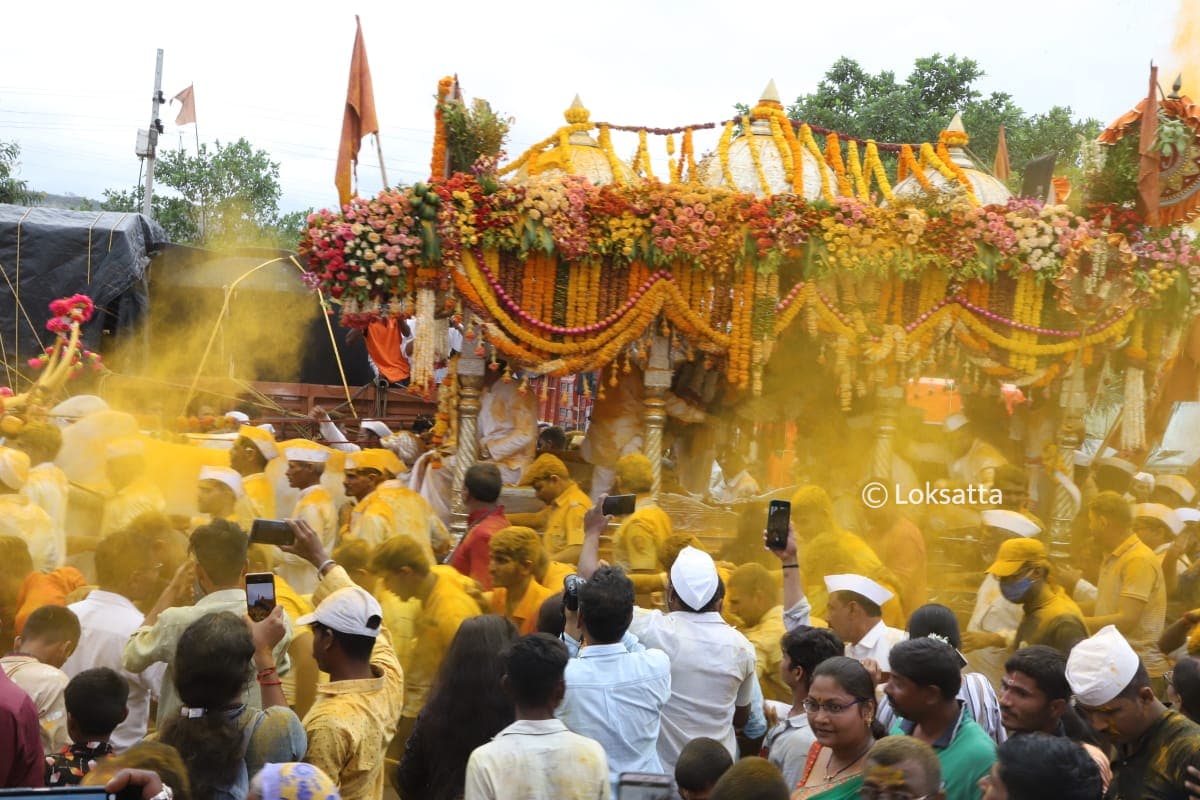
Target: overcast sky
76	79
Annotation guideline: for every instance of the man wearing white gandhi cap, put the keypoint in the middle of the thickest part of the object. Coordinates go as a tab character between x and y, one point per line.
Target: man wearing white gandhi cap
712	665
305	465
218	492
1154	745
856	616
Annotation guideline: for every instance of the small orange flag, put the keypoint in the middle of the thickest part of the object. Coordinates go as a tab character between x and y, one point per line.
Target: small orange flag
1150	161
187	110
359	117
1001	168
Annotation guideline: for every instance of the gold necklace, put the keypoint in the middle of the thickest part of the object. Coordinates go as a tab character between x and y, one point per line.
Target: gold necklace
859	757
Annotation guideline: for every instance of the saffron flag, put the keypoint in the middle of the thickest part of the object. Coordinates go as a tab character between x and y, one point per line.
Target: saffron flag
1150	161
1001	168
187	102
359	117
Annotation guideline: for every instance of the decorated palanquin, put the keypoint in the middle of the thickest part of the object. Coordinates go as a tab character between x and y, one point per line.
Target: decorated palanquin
896	260
1179	176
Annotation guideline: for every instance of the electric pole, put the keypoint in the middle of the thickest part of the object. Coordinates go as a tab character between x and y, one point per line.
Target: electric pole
148	147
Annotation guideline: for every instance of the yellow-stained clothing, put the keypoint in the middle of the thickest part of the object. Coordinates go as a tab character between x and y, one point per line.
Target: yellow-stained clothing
316	508
556	572
295	606
525	615
373	520
507	428
648	522
21	518
842	552
413	516
258	500
564	528
765	636
446	607
351	722
978	466
47	487
139	497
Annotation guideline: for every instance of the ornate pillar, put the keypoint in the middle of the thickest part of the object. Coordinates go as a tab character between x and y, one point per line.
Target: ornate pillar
471	370
887	404
657	382
1072	405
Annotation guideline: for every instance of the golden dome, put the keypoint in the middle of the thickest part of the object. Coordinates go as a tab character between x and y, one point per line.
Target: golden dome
741	160
988	189
581	155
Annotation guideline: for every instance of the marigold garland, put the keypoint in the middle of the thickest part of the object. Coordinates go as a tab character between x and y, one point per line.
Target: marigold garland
752	147
437	162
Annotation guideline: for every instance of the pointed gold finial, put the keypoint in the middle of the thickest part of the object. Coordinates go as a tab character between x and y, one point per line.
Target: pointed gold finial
770	94
956	124
577	113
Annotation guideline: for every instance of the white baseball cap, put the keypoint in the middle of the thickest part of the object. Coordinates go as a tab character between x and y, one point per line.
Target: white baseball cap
1099	668
224	475
351	609
1011	521
860	585
694	577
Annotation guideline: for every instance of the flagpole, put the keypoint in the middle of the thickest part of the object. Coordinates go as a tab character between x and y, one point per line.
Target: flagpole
203	197
379	152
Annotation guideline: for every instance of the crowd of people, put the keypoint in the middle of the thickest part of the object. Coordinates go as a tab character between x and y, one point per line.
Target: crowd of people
565	653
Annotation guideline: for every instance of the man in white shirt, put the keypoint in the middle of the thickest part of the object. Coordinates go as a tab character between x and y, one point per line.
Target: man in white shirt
216	582
108	617
305	466
49	636
615	694
855	616
536	757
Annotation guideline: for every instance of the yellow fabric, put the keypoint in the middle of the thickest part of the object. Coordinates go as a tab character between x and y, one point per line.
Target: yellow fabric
564	528
1132	570
372	520
556	572
525	615
441	613
295	606
316	508
21	518
765	636
507	427
351	722
131	502
544	466
411	514
616	427
648	521
258	502
842	552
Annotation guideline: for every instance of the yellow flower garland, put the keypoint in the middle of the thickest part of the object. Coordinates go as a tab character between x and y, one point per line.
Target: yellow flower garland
856	171
723	154
810	144
614	163
754	157
645	153
875	168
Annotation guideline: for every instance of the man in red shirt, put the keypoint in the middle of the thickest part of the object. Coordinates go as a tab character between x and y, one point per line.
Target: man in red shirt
481	490
20	738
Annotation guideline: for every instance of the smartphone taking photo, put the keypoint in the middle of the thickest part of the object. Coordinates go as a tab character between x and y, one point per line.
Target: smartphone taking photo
619	505
779	513
643	786
271	531
260	595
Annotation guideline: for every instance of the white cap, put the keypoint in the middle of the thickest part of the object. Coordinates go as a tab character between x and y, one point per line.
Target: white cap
694	577
866	587
1158	511
14	468
308	454
1188	514
129	446
1128	467
1177	484
351	610
954	422
1011	521
224	475
238	415
376	427
1100	668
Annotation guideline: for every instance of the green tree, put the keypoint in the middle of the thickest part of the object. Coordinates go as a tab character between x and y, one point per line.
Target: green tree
851	100
13	189
227	195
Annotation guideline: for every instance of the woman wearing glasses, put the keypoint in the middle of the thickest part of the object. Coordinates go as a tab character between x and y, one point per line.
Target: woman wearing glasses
841	713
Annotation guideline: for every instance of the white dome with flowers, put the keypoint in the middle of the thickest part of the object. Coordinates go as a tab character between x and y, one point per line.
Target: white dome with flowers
576	153
988	189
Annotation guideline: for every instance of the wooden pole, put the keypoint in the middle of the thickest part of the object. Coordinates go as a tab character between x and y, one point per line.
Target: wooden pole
379	152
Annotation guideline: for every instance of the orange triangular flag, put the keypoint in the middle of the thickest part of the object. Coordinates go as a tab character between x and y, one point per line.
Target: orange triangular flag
1150	161
359	117
1001	168
187	102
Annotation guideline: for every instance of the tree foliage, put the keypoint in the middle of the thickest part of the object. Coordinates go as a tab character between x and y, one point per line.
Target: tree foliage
13	189
227	195
851	100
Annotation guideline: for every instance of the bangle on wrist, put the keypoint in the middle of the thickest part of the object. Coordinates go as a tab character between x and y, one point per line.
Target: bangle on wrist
261	682
325	565
266	672
791	566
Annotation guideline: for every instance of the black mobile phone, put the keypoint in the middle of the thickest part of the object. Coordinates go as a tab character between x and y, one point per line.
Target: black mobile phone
271	531
619	505
643	786
260	595
66	793
779	512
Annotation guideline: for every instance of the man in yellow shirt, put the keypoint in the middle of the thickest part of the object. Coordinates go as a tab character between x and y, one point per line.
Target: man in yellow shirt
642	533
517	595
406	571
373	519
218	493
754	599
412	514
252	451
355	714
565	503
315	507
135	494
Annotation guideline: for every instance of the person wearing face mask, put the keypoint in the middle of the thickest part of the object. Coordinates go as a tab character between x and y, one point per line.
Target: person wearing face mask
1051	617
